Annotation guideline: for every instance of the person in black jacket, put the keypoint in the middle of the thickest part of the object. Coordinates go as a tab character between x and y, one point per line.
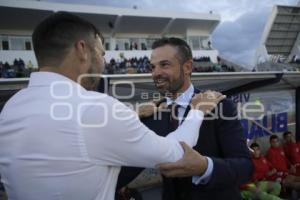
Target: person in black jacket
220	162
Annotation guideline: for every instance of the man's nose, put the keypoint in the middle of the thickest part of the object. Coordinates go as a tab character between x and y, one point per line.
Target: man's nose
156	72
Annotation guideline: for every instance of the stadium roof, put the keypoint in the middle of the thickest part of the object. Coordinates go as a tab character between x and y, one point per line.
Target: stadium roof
282	30
25	15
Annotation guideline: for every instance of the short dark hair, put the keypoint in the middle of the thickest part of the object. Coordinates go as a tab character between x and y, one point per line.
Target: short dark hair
184	50
253	145
286	133
272	137
53	37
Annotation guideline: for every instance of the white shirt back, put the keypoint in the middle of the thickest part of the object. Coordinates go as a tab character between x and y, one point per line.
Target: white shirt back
61	142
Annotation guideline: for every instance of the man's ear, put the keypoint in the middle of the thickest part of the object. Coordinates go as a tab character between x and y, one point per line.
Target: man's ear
188	67
81	50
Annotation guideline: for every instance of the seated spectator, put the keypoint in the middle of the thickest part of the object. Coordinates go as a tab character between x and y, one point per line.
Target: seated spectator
277	157
264	183
8	71
29	65
292	150
263	169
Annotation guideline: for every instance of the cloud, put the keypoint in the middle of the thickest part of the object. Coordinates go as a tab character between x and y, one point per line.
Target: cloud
237	40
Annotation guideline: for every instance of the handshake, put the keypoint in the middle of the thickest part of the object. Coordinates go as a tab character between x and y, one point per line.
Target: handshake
204	101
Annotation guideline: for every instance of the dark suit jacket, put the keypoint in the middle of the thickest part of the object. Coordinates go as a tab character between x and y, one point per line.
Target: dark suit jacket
220	139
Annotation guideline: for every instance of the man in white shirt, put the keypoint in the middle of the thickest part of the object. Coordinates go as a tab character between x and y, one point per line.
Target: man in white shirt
60	141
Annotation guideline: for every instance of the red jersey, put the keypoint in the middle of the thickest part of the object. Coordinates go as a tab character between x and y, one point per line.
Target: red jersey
278	159
261	167
292	151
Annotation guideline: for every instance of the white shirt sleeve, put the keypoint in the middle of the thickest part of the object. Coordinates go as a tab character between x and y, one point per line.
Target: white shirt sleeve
122	140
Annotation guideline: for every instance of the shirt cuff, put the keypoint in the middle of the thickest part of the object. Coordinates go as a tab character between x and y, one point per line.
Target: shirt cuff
205	178
195	113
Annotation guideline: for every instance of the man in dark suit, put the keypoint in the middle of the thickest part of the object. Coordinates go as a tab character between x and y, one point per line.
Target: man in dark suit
220	161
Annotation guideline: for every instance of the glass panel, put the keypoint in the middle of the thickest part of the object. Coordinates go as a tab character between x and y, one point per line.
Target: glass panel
28	45
5	45
17	43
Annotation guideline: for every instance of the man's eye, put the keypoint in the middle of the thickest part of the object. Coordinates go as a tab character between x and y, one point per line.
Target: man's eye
165	64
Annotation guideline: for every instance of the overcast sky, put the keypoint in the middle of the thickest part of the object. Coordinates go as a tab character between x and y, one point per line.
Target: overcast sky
242	21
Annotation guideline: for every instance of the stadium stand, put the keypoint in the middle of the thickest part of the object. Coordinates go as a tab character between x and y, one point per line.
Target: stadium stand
121	66
279	46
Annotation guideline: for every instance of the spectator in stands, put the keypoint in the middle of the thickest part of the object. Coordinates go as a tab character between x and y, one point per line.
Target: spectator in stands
202	59
21	63
144	46
16	62
19	67
277	157
141	65
29	65
16	70
262	184
292	150
8	71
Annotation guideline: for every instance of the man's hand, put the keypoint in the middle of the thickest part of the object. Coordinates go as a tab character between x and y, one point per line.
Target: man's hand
207	101
149	108
146	109
191	164
273	171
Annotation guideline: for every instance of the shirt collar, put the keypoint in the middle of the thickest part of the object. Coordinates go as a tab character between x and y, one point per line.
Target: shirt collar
48	78
183	99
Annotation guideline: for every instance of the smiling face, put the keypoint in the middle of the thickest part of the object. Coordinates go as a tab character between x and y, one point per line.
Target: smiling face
168	74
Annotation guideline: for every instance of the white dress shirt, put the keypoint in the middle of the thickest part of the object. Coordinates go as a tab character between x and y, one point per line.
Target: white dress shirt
183	101
59	141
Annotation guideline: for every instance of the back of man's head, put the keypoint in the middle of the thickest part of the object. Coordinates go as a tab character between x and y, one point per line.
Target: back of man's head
183	49
56	35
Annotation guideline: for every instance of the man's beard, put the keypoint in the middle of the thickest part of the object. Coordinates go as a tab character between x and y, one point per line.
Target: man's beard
173	87
91	81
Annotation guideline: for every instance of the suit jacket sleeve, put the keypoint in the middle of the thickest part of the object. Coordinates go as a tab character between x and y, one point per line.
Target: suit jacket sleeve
234	167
